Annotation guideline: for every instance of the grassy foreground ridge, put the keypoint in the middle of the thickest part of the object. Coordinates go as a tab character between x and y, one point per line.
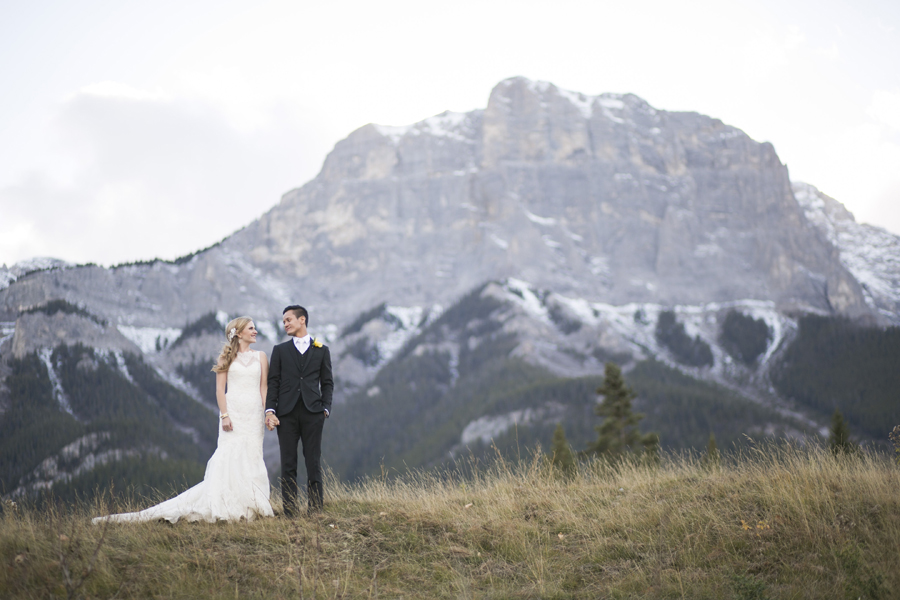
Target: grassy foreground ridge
773	522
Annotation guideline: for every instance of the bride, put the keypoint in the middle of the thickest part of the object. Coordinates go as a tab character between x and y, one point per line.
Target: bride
236	483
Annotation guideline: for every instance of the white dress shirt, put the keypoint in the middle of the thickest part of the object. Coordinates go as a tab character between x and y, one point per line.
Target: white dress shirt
302	343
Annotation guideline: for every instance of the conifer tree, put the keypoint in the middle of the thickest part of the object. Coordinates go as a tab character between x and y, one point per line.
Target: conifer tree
619	433
894	436
711	458
562	456
839	435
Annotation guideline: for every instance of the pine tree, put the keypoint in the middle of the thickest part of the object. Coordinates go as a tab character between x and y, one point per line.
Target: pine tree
839	436
562	456
894	436
712	457
619	431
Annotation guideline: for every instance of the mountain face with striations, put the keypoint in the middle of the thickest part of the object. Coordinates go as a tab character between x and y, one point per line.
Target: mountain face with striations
575	220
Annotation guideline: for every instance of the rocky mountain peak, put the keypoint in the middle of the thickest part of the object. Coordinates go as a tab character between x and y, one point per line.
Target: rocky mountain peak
600	197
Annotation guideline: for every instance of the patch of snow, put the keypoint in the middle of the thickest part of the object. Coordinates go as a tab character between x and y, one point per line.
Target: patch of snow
611	103
409	319
39	263
500	242
870	253
448	124
48	473
222	318
59	394
453	365
548	221
433	314
521	293
329	333
119	358
580	308
486	428
584	104
6	278
599	265
7	330
269	331
177	382
393	132
550	242
147	338
541	87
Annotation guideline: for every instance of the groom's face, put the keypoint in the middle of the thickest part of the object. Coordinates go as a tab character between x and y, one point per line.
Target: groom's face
293	325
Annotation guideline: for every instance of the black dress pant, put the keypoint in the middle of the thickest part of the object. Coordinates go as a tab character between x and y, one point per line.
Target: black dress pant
301	425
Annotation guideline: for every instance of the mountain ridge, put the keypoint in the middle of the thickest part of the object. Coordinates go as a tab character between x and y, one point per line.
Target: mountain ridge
582	219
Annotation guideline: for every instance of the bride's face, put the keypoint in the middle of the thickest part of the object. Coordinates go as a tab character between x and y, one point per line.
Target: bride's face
248	334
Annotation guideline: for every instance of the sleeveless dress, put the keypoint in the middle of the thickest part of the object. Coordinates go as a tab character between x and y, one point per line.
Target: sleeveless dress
236	483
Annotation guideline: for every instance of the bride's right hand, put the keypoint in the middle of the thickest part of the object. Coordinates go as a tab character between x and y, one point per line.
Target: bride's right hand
226	424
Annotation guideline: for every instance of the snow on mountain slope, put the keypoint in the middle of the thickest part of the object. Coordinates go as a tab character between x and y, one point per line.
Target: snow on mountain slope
40	263
870	253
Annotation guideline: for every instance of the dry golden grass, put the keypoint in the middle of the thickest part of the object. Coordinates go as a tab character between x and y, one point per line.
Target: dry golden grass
772	523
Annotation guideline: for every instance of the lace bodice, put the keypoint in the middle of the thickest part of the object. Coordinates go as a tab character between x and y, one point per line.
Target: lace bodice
242	392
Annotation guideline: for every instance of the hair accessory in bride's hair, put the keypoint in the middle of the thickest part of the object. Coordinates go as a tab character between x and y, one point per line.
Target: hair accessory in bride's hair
232	333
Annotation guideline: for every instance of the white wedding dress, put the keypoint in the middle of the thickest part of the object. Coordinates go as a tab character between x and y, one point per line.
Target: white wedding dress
236	484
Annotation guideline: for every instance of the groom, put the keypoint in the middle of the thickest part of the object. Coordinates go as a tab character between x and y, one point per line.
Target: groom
297	402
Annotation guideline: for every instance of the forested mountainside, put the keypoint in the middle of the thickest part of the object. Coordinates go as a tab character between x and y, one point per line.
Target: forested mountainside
472	274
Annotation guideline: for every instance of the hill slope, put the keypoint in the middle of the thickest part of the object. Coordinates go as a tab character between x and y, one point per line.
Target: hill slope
770	524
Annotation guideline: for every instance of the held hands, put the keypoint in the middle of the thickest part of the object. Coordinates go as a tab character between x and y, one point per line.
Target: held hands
272	421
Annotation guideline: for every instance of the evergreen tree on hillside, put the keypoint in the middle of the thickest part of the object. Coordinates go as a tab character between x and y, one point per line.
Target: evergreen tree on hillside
839	435
712	457
744	337
562	456
687	350
894	436
619	431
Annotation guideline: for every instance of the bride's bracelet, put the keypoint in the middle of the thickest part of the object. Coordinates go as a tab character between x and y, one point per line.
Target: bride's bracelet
223	416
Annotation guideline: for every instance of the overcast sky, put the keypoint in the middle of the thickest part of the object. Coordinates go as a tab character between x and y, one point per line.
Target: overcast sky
132	130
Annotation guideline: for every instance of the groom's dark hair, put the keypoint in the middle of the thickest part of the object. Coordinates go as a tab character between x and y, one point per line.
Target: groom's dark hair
298	311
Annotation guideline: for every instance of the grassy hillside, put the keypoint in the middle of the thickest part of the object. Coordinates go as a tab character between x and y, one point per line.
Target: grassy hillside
771	523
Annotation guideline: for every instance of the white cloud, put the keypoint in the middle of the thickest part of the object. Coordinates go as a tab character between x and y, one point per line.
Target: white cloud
207	111
152	176
113	89
885	108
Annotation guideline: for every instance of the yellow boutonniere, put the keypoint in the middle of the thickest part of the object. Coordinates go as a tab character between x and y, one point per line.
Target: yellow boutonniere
317	343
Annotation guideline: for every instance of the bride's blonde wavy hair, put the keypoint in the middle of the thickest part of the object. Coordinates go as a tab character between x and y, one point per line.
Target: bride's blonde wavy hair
231	347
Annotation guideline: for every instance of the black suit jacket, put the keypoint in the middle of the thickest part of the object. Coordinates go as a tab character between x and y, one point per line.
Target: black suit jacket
297	377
